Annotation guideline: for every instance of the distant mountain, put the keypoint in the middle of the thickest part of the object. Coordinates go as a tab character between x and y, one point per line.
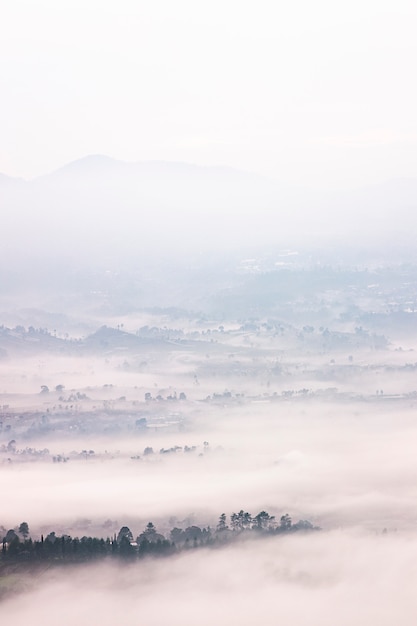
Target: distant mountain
165	185
98	165
100	210
91	164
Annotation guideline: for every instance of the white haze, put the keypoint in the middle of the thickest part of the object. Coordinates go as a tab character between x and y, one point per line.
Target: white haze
320	580
101	213
336	466
312	94
160	164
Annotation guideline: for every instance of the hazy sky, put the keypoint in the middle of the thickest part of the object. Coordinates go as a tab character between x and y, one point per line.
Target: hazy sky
318	93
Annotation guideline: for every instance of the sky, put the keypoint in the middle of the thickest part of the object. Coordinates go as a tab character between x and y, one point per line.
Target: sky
313	94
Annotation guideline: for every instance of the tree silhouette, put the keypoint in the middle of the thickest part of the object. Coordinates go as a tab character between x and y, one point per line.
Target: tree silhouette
24	530
126	533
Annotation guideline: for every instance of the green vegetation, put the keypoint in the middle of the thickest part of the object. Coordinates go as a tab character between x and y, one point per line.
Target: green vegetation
54	549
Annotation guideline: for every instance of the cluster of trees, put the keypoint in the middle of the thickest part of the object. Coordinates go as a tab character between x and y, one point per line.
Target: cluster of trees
159	397
64	548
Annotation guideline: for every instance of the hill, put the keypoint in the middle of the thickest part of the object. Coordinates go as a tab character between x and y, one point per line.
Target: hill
100	210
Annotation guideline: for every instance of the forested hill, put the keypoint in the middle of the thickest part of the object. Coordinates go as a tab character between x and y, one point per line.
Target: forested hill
19	548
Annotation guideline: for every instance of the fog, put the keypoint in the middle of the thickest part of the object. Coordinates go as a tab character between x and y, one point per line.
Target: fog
208	313
337	467
275	382
347	577
98	212
319	94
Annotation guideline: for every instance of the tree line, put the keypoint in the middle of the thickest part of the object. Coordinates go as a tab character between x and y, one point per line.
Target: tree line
18	546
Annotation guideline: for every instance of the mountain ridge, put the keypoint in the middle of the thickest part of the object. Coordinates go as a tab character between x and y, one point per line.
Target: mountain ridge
100	164
113	207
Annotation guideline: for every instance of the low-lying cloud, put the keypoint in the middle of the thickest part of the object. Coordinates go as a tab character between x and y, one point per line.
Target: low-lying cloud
311	580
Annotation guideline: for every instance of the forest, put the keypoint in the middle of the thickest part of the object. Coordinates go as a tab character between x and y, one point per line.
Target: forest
18	548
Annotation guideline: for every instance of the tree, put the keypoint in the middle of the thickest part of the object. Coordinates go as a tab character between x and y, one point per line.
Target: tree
285	522
150	529
193	533
24	530
10	536
222	525
126	550
263	520
304	525
246	520
124	532
150	535
14	547
177	535
241	520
